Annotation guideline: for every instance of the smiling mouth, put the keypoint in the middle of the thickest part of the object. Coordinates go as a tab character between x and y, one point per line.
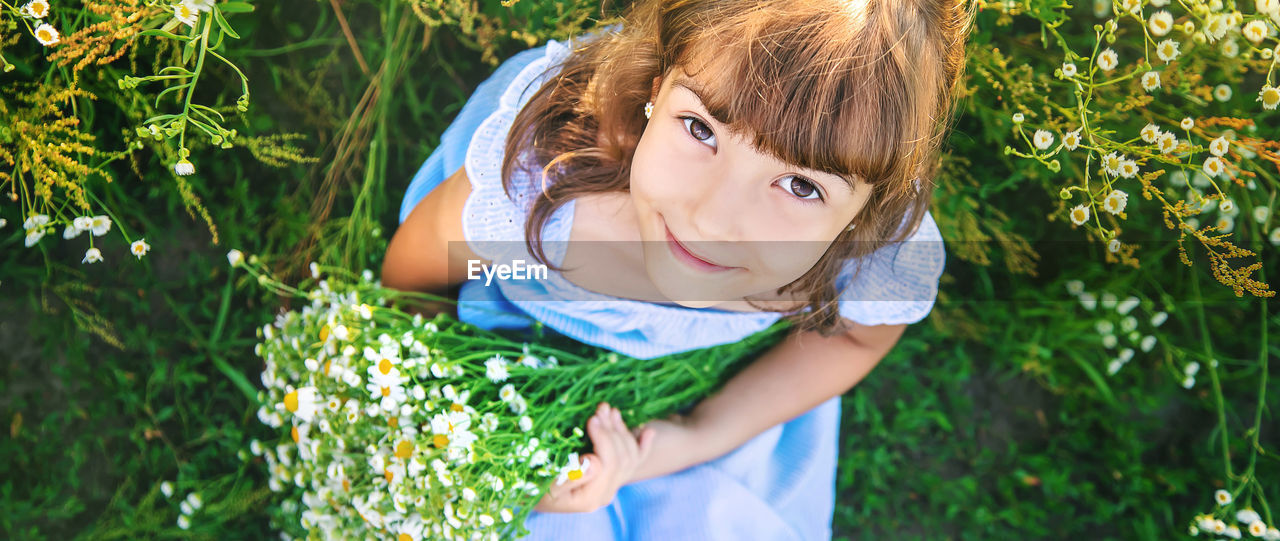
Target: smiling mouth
688	257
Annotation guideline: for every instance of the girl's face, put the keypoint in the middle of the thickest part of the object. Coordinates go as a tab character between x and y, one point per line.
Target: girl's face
755	223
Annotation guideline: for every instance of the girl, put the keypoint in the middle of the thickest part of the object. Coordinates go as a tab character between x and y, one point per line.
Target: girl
690	177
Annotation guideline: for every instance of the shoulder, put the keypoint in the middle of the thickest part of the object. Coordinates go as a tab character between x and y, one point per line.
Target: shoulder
897	284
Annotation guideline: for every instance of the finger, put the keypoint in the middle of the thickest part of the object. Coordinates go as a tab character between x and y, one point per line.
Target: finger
646	440
602	439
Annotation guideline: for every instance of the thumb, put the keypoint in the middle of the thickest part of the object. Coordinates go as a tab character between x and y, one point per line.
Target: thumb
646	439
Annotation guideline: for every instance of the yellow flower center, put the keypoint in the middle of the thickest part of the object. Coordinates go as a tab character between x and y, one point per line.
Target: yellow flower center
386	391
1113	163
294	432
346	485
1270	96
384	366
404	449
389	475
456	407
326	366
44	34
1078	215
184	11
393	422
291	401
574	475
404	537
440	440
39	10
324	333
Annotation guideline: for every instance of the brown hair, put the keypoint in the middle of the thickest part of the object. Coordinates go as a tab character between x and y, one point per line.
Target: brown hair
875	77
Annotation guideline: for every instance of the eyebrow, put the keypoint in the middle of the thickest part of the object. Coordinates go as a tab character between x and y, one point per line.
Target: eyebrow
679	81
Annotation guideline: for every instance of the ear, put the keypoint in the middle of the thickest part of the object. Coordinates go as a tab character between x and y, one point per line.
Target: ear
657	84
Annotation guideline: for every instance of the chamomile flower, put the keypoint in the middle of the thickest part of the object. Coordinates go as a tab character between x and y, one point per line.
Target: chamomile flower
1219	146
167	488
1075	287
452	429
1213	166
389	394
70	232
1115	201
1128	168
1108	60
302	403
100	225
1071	139
1248	516
1260	214
1113	245
1017	118
186	13
1042	139
139	248
1127	305
1216	27
235	257
1111	163
92	255
184	522
496	369
1255	31
1088	301
1150	133
1230	48
1225	224
1167	143
1132	6
1228	207
574	470
1068	70
1222	92
1187	123
1257	528
1114	366
36	9
1269	96
1147	343
1233	532
1160	23
47	35
184	167
1150	81
1167	50
1080	214
526	424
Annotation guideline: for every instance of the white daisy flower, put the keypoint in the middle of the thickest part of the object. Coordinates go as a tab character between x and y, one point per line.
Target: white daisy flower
1159	319
1257	528
1228	207
92	255
1150	81
1150	133
1269	96
390	395
1113	245
1225	224
83	223
302	403
1219	146
1230	48
507	393
202	5
1191	369
1233	532
70	232
1071	139
1213	166
235	257
1079	214
1042	139
451	429
1132	6
1187	123
1017	118
1075	287
496	369
47	35
167	488
139	248
1217	26
184	522
36	9
1222	497
185	13
1222	92
1114	366
1109	341
1255	31
1088	301
1128	168
1248	516
1109	300
1108	60
1148	342
526	424
574	470
1160	23
1188	382
1111	163
195	500
100	225
1115	201
1068	70
1127	305
1260	214
1167	143
1272	534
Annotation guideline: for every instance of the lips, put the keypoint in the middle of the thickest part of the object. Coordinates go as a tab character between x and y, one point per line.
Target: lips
688	256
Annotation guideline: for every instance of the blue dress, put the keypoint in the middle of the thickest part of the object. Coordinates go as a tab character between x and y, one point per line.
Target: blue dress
779	485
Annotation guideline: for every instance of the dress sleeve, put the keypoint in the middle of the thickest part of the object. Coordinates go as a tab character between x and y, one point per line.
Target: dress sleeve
898	283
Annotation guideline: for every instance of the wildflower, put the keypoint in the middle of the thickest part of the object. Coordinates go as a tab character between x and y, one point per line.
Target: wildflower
35	222
1111	163
36	9
1213	166
1148	342
1222	497
1127	305
1109	300
1159	319
1188	382
1075	287
1230	48
201	5
100	225
1233	532
184	167
139	248
451	429
315	269
92	255
1042	139
1248	516
1115	201
1104	327
186	13
1161	23
1222	92
47	35
1017	118
1150	133
1219	146
1228	207
1257	528
70	232
1079	214
1068	70
1269	96
1108	60
235	257
1193	223
1272	534
302	403
1167	50
194	500
1132	6
496	369
390	394
184	522
1114	366
505	515
1167	143
1113	246
526	424
1088	301
1187	123
1260	214
1128	168
1255	31
1225	224
574	470
1109	341
167	488
507	393
1071	139
1217	26
1150	81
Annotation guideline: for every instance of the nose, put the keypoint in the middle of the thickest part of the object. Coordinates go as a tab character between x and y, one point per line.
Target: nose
719	210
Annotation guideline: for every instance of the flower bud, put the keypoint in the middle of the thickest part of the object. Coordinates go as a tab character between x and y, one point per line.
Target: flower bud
1055	166
1064	194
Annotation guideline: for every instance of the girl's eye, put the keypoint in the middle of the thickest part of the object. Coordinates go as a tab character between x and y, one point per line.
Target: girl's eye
699	130
802	188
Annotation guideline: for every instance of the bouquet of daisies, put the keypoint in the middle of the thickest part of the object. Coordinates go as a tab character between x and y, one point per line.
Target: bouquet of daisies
397	425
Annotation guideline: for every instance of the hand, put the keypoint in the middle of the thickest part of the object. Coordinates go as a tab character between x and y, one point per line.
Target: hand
618	451
676	447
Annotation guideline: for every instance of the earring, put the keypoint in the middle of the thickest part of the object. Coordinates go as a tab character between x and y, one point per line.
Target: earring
648	109
850	228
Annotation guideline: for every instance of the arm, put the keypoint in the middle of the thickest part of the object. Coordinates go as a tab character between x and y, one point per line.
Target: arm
794	377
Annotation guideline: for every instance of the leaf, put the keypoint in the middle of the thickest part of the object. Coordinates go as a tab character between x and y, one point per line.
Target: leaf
1097	379
222	23
234	7
163	34
188	51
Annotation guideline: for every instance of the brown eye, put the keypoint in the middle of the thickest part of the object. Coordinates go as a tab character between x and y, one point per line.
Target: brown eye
698	129
803	189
